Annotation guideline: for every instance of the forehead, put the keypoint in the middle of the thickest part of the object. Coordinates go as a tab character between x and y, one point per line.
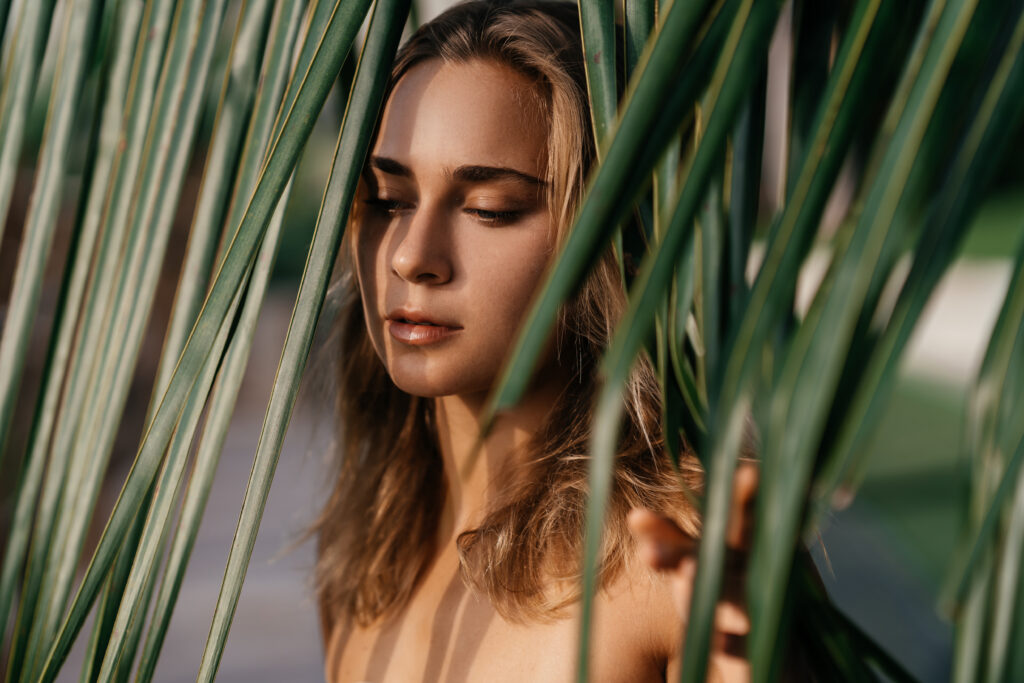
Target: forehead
444	115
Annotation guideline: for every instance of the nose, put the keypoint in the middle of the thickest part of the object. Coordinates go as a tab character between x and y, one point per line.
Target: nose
422	254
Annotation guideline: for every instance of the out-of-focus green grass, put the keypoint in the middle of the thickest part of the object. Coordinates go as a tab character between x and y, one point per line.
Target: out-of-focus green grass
917	479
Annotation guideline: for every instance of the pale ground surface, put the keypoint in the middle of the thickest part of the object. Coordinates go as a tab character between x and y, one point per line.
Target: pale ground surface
275	635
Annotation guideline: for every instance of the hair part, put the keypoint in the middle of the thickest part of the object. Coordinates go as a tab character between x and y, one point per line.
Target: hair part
377	532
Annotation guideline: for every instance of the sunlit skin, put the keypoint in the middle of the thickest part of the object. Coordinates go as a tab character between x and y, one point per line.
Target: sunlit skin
455	231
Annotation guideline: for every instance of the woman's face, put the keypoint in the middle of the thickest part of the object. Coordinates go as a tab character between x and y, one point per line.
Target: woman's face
455	232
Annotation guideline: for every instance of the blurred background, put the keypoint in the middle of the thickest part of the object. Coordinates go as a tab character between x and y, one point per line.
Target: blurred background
887	552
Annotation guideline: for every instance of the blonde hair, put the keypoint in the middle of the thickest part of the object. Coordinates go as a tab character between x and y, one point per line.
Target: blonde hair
391	484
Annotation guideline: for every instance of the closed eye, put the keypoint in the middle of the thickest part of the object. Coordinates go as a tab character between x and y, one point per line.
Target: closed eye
386	207
495	217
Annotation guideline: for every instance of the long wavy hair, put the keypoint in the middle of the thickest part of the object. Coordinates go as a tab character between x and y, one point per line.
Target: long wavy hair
377	532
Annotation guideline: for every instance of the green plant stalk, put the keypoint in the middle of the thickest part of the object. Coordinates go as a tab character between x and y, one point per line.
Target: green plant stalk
947	221
339	34
663	192
221	405
968	636
5	9
236	92
284	27
16	96
354	140
41	582
255	157
990	441
983	45
131	613
711	238
840	108
639	24
973	628
744	193
272	101
52	400
610	193
929	24
1015	665
747	39
666	186
41	221
174	118
672	404
680	303
597	22
747	42
34	463
669	332
169	144
812	362
316	24
233	109
744	185
1008	584
113	589
42	85
813	24
7	39
683	411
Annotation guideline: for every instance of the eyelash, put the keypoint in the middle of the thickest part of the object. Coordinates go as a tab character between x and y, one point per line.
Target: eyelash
391	207
387	207
494	217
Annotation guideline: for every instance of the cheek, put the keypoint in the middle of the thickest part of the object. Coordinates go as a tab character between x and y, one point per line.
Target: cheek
511	276
365	255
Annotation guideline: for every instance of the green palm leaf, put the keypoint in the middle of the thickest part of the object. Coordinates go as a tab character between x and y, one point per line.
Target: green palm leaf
812	362
353	144
998	115
996	444
308	98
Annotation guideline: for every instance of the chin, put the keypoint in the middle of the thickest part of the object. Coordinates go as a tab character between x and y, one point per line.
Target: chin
436	385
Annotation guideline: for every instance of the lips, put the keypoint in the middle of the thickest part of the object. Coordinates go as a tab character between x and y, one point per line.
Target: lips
416	328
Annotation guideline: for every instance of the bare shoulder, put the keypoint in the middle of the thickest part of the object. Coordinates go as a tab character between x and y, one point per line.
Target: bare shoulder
636	624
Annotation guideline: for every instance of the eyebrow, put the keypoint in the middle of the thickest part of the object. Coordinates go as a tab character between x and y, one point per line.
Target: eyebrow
466	174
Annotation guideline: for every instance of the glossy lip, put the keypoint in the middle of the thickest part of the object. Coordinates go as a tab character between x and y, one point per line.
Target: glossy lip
418	329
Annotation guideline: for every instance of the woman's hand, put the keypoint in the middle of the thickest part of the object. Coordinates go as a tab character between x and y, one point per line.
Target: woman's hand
672	552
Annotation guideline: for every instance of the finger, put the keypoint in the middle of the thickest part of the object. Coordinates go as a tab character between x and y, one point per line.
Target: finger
731	619
661	543
744	496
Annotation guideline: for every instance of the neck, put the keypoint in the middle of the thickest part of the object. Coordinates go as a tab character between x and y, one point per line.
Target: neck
475	471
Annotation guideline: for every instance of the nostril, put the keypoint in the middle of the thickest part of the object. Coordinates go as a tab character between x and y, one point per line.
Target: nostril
421	252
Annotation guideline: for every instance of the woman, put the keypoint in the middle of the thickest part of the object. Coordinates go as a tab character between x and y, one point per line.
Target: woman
435	564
